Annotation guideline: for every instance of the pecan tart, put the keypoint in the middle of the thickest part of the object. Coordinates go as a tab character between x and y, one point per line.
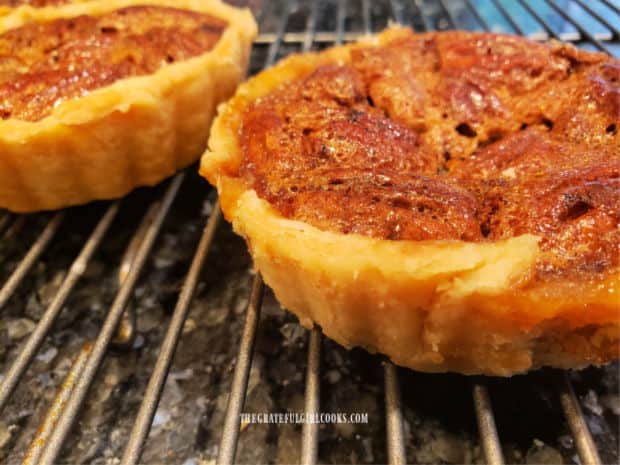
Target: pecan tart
98	98
448	199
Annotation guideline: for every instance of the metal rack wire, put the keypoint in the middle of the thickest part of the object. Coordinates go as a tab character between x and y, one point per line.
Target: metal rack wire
65	410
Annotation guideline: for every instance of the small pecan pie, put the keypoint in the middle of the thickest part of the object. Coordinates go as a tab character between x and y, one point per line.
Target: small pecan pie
448	199
99	98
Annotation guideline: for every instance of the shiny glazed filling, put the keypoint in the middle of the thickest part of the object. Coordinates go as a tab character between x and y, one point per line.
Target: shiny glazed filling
465	136
43	64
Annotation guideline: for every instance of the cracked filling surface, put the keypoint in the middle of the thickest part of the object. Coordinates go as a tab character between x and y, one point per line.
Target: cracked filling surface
44	64
450	136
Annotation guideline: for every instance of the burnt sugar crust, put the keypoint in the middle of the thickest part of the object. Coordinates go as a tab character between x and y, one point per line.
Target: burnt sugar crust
465	228
131	132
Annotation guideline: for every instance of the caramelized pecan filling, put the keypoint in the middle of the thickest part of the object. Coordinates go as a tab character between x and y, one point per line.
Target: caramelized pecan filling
456	135
43	64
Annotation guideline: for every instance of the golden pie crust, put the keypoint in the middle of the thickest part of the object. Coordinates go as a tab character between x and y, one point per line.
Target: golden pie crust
133	132
434	305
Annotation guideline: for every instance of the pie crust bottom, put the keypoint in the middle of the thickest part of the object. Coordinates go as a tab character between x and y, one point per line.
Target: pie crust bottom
434	306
